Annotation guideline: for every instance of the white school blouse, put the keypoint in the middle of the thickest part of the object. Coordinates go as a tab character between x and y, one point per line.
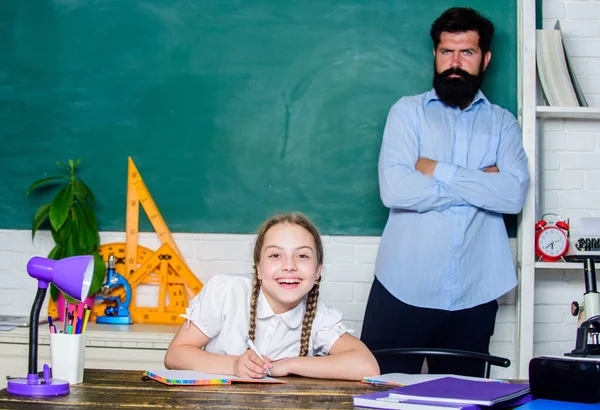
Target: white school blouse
222	312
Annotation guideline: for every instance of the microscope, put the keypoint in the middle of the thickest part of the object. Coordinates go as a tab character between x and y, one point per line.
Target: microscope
118	311
586	343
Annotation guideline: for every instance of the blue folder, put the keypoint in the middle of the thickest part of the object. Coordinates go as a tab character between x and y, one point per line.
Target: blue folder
543	404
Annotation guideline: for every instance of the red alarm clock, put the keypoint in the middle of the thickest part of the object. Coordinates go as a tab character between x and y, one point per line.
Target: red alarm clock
551	239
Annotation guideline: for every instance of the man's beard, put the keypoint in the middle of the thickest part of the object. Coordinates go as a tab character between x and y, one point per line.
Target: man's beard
457	92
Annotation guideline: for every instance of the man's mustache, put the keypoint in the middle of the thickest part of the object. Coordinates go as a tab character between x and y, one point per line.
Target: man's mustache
454	71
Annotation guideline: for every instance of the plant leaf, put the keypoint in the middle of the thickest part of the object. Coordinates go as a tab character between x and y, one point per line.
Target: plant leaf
55	253
92	240
60	164
99	273
40	217
61	205
78	237
55	236
69	299
44	181
71	247
64	233
89	191
88	236
79	190
90	216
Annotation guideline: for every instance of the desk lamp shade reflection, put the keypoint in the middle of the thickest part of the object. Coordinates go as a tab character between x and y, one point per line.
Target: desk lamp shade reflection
73	276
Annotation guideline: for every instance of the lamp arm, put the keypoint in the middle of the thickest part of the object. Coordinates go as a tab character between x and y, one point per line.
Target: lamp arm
34	320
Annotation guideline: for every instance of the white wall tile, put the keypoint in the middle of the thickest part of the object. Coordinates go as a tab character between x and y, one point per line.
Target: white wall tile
565	141
574	29
577	10
554	10
338	253
562	180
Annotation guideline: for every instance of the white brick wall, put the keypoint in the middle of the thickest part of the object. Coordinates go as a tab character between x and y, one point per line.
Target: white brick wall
570	180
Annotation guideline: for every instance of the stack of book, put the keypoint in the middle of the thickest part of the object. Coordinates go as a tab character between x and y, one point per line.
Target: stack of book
448	393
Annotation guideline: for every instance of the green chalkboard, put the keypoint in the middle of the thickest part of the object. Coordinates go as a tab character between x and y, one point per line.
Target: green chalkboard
231	110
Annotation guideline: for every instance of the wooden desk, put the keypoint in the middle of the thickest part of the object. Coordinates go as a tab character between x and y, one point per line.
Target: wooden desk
124	388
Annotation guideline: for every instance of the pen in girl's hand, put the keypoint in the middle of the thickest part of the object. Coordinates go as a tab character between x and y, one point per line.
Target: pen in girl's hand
252	346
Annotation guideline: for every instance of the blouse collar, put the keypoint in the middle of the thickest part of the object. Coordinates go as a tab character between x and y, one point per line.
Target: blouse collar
292	318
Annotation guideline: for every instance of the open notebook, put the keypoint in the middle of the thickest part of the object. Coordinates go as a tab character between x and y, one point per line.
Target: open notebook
193	378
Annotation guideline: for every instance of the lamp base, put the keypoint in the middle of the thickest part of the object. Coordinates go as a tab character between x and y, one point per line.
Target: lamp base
34	386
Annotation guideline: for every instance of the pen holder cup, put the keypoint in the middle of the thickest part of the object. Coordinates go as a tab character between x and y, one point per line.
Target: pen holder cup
67	352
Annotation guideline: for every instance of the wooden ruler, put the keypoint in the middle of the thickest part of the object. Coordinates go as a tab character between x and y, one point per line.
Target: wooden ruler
172	275
165	268
137	193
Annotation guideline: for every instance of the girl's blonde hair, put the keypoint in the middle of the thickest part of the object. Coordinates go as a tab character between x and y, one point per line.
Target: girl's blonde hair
292	218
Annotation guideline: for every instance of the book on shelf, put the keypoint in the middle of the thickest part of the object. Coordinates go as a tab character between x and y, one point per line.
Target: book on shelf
553	71
580	97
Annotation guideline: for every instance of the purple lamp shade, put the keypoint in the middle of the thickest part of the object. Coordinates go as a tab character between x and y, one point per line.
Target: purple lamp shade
71	275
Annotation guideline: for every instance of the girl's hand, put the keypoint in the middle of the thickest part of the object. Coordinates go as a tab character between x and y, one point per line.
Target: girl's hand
282	367
249	364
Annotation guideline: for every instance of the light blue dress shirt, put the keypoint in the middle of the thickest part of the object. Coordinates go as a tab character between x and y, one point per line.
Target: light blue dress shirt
445	244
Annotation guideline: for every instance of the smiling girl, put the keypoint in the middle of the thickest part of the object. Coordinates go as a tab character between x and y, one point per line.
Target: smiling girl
279	309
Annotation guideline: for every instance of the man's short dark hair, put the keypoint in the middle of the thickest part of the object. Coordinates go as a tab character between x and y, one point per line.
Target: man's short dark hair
460	20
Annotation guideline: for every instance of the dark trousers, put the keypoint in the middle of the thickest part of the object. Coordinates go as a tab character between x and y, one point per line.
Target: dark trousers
390	323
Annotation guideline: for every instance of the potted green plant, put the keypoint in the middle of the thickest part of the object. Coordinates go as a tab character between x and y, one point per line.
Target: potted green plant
71	218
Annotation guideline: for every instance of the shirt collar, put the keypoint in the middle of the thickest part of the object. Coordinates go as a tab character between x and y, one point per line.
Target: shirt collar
432	96
292	318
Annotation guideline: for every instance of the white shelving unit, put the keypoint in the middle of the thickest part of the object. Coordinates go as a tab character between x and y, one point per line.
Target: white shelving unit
525	232
583	113
529	114
559	265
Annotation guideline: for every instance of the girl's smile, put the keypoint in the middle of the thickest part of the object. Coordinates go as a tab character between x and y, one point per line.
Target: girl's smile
288	266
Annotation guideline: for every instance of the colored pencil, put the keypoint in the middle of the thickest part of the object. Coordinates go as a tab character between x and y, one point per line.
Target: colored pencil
66	317
75	311
86	318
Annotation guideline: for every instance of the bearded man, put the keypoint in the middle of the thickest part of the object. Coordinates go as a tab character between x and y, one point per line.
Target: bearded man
451	164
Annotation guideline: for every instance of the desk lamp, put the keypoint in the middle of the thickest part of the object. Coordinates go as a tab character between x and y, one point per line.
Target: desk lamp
73	276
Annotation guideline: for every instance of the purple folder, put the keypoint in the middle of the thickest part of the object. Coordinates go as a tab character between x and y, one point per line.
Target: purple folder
453	390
